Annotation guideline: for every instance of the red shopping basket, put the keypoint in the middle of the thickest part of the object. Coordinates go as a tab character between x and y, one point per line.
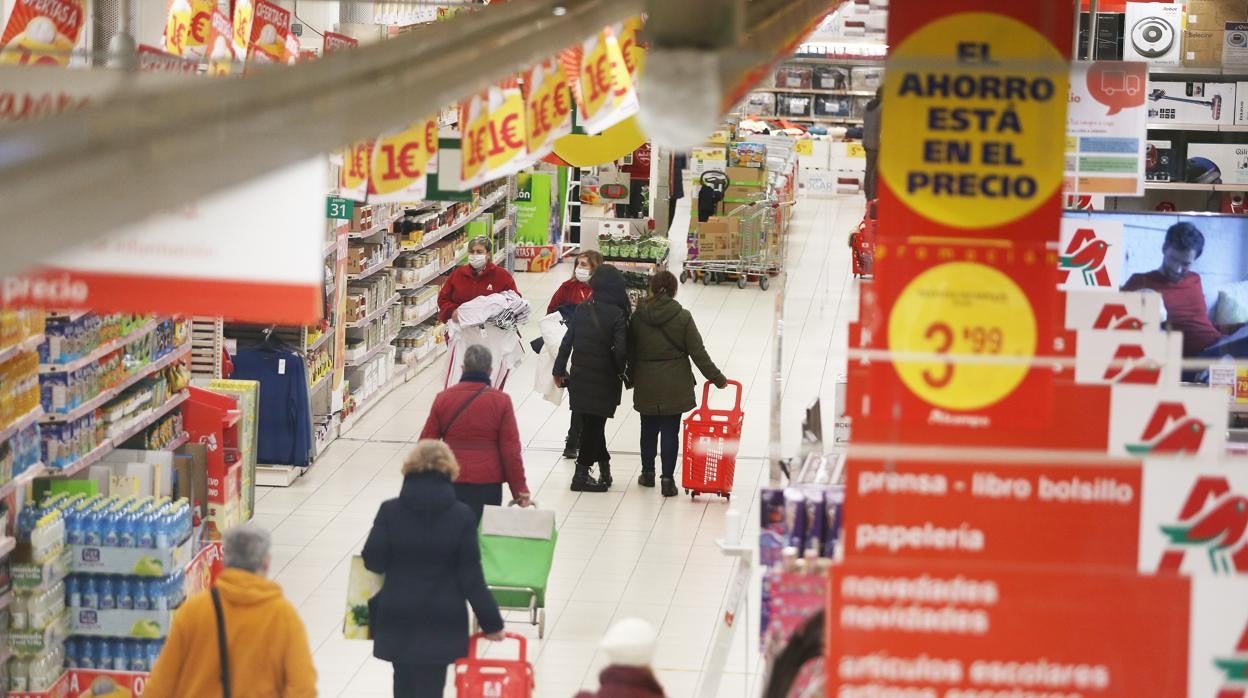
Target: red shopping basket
712	438
494	678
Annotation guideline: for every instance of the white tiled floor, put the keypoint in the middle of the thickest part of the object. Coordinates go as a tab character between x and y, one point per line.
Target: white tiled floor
621	554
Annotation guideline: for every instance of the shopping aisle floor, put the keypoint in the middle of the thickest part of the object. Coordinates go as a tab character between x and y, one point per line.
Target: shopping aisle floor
625	553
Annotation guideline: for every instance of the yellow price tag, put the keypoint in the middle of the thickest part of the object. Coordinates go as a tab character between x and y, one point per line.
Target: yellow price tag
805	146
962	310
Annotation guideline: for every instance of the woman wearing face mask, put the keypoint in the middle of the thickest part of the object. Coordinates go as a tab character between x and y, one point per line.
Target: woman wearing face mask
479	277
572	293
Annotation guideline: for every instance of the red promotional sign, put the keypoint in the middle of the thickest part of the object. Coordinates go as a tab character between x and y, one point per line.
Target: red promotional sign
984	631
1044	514
339	42
42	32
154	60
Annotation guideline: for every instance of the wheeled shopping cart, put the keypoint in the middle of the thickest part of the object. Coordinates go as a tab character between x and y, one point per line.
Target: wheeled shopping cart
712	439
476	677
517	550
753	254
862	242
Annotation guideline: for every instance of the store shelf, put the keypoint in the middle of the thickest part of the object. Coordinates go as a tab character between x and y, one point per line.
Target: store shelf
330	248
400	377
383	264
500	256
367	319
1184	186
371	353
502	225
21	423
144	421
816	91
100	351
841	120
320	382
379	228
28	475
95	402
29	344
325	337
1184	127
422	320
1163	70
177	443
435	236
839	60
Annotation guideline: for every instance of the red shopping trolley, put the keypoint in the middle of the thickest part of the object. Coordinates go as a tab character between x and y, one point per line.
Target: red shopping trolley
712	438
494	678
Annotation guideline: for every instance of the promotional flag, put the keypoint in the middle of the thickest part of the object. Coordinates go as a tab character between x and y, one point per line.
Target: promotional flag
292	49
188	27
508	148
244	14
338	42
154	60
400	161
600	82
548	107
631	48
474	120
220	45
269	28
353	176
42	32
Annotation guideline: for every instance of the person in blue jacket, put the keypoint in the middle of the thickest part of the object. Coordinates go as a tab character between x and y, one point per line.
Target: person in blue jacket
425	543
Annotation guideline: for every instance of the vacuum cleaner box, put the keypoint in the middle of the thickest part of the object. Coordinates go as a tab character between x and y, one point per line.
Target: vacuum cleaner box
1152	32
1235	47
1190	102
1160	162
1241	103
1202	48
1206	160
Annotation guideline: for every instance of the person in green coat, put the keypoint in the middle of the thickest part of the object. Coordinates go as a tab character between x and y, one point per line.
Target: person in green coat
663	338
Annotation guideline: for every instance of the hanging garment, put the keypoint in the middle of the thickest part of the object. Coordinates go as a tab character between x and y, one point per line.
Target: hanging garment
504	345
506	310
553	327
285	423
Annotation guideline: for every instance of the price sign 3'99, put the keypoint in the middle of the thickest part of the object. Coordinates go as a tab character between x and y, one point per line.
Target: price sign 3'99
976	323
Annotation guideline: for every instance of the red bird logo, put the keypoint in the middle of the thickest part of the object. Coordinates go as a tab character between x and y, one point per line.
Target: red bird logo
1170	431
1218	531
1235	668
1131	365
1114	316
1086	254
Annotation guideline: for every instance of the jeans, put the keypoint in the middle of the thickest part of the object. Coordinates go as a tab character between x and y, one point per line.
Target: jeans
659	430
593	441
477	496
419	680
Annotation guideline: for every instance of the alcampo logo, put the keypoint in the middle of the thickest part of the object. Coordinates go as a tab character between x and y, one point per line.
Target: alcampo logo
1235	668
1170	432
1114	316
1086	254
1130	365
1214	519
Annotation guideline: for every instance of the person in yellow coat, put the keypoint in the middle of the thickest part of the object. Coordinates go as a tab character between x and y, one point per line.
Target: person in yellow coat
266	644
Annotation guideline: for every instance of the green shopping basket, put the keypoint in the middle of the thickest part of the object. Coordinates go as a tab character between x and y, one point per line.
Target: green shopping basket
517	550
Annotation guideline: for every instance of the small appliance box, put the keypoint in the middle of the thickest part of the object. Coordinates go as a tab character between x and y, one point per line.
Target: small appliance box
1231	159
1202	48
1190	102
1241	103
866	79
1235	45
1159	165
1108	35
1152	32
1214	14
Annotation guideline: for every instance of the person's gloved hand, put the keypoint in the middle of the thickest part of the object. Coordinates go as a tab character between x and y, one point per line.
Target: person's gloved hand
496	637
561	381
524	500
721	383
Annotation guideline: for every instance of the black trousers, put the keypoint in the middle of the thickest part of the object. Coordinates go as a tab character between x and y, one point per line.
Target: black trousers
574	432
870	180
477	496
419	680
656	431
593	441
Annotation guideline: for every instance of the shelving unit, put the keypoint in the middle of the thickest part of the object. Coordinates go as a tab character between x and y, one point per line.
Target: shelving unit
27	345
367	319
371	353
379	266
21	423
100	351
1184	186
812	91
106	395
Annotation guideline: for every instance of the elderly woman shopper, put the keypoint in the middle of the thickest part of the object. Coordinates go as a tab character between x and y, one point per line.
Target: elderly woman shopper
479	277
478	422
596	344
266	646
425	545
662	339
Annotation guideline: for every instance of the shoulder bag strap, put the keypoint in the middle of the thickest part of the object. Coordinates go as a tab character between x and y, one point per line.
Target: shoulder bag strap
593	314
463	406
222	648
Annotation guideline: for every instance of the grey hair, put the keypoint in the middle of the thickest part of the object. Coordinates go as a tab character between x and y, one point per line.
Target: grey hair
478	359
247	548
480	240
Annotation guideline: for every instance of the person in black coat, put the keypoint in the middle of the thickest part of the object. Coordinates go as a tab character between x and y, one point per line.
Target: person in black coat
425	543
597	343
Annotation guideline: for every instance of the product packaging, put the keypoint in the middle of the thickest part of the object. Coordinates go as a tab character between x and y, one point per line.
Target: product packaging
1190	102
1160	161
1202	48
1229	159
1214	14
1152	32
772	531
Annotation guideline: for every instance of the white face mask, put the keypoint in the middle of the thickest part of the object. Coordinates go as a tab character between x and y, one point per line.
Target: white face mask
476	260
582	275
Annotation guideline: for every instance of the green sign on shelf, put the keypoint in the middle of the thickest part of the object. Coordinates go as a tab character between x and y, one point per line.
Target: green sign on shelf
339	208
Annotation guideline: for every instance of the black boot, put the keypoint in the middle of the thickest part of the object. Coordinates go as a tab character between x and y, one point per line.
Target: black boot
582	482
604	474
572	444
669	487
646	479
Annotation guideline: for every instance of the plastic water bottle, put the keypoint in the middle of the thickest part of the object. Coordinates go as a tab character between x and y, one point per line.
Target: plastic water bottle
117	648
142	594
162	527
72	648
148	522
152	650
111	529
89	592
102	654
125	593
160	594
136	657
108	593
72	593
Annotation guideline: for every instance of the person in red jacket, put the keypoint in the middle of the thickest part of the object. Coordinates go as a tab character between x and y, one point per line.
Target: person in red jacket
479	277
576	290
573	292
479	424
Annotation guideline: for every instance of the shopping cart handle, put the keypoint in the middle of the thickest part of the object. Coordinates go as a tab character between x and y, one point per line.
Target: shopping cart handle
477	638
706	394
532	504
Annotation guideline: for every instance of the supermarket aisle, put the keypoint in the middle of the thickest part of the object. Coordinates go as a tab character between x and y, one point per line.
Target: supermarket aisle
624	553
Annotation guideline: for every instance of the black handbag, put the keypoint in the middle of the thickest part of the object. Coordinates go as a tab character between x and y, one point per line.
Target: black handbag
626	379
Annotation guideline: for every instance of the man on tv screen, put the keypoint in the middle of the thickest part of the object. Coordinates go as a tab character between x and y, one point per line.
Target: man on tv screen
1181	290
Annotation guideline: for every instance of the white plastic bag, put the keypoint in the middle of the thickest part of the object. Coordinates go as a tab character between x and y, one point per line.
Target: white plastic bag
553	330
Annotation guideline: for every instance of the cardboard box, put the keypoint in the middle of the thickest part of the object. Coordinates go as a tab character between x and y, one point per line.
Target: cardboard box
1235	45
191	476
1153	32
747	155
1214	14
1211	102
743	194
1230	159
746	175
1109	31
1202	48
139	562
120	622
1160	161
